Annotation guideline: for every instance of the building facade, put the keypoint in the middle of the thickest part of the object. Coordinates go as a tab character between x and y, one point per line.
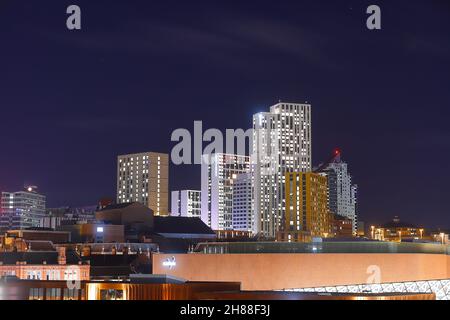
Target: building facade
50	264
67	215
397	230
186	203
144	178
342	192
243	219
281	144
281	265
307	213
342	227
218	172
22	209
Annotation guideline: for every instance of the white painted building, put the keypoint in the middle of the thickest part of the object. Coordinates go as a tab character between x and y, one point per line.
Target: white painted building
243	218
281	144
217	174
186	203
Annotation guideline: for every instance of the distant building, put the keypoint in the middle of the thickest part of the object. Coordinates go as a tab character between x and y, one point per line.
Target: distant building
67	215
307	213
397	230
234	235
144	178
94	232
281	144
218	172
342	227
22	209
186	203
136	219
243	218
440	236
361	229
38	234
342	192
140	225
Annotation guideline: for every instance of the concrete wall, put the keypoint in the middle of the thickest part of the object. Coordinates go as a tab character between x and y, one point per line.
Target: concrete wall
279	271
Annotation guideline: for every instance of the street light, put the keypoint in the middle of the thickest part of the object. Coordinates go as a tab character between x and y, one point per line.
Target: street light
421	233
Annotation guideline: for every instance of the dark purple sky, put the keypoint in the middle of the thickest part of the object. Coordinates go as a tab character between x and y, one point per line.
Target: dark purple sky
70	102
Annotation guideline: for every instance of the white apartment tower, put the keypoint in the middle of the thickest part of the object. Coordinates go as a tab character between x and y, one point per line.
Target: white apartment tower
243	218
144	178
281	144
218	172
186	203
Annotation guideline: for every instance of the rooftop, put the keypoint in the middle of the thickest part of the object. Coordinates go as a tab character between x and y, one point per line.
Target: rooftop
37	257
181	225
321	247
117	206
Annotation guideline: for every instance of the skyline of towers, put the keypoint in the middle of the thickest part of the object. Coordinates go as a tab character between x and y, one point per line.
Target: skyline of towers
144	178
281	144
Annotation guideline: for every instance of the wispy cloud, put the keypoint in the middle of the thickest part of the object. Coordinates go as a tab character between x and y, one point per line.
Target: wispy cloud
228	39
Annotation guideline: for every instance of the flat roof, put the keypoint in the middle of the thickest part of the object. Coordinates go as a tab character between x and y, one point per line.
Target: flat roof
321	247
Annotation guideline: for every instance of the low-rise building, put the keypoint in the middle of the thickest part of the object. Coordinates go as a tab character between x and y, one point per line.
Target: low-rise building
44	265
40	234
342	227
397	230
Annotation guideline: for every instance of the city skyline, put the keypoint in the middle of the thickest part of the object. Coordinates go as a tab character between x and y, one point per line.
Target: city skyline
348	75
224	159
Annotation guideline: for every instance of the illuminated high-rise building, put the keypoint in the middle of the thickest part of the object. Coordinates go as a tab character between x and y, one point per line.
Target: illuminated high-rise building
218	172
144	178
186	203
342	192
307	213
243	218
281	144
22	209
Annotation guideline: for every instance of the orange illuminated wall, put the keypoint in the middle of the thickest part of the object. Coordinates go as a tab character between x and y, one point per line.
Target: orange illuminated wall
280	271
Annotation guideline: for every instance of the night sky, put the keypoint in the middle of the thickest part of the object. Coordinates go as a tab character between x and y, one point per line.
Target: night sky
71	101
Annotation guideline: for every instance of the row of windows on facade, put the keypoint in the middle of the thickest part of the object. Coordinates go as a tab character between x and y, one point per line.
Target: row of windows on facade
55	294
52	275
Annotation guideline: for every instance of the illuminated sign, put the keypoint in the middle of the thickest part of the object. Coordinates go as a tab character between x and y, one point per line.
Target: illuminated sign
170	263
100	229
